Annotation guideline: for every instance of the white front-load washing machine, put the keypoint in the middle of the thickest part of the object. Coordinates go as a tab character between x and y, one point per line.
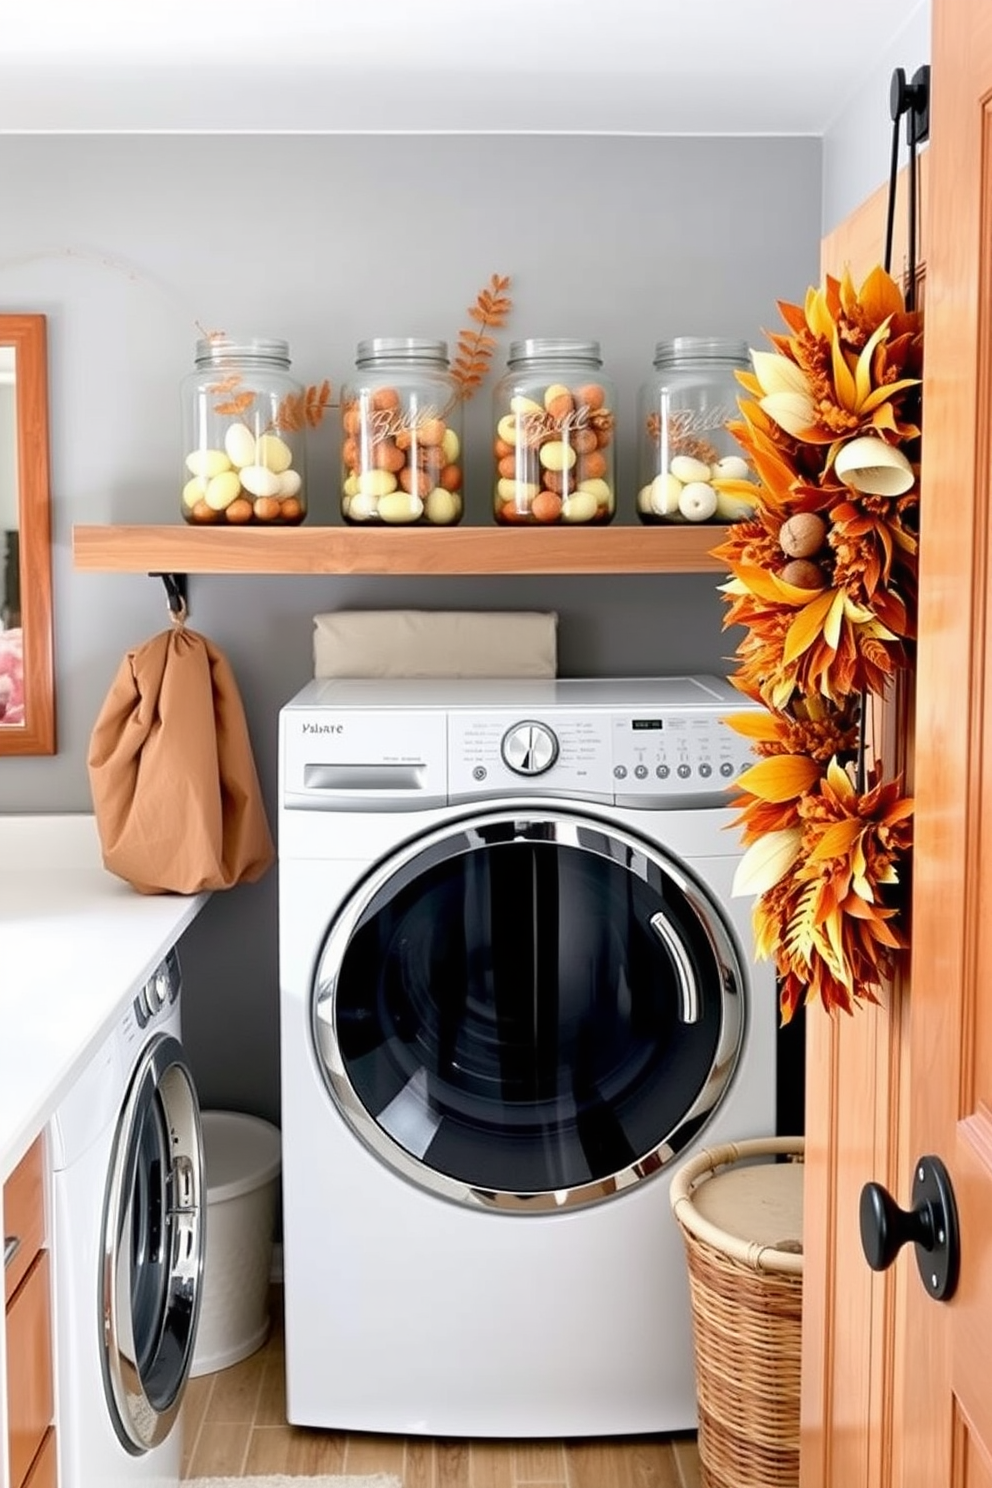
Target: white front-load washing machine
128	1232
515	988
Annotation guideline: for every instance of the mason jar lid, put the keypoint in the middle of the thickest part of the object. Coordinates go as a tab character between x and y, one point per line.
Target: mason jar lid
222	349
552	348
699	349
416	349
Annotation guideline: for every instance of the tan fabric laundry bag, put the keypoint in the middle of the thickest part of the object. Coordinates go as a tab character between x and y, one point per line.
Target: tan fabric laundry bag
175	791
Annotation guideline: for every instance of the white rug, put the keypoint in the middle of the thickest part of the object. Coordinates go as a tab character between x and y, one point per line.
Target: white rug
279	1480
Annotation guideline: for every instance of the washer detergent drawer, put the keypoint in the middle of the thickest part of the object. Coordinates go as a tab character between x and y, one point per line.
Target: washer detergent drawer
30	1401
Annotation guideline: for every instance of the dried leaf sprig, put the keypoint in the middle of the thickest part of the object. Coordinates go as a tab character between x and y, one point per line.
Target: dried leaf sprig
294	412
474	348
823	582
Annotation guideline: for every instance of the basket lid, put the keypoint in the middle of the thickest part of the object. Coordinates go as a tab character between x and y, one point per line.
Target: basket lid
242	1153
747	1208
760	1203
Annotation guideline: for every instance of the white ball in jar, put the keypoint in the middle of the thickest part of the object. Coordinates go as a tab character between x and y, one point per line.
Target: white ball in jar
274	453
556	455
290	483
698	501
400	506
222	490
207	462
665	492
362	506
442	507
580	507
521	404
506	429
688	470
521	493
258	481
239	443
377	483
731	467
599	488
195	490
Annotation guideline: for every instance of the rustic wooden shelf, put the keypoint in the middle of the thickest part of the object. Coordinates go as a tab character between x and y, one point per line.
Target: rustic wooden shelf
367	550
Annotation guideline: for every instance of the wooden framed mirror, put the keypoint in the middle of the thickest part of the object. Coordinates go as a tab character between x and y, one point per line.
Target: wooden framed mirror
27	694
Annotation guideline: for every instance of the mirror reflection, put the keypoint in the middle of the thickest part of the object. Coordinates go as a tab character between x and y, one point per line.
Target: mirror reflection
11	641
27	709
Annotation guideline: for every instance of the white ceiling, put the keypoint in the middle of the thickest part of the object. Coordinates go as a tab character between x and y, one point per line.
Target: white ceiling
559	66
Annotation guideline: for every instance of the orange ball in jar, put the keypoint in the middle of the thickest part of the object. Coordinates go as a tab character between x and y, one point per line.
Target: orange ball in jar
239	511
408	399
550	406
546	507
590	395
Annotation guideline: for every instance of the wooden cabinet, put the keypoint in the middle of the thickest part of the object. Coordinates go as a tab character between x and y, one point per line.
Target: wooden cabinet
27	1297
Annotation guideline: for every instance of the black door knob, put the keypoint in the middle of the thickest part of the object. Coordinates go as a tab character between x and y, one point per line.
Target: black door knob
931	1224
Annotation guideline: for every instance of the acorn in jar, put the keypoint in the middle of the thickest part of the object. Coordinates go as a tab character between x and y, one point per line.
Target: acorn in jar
401	441
244	420
554	428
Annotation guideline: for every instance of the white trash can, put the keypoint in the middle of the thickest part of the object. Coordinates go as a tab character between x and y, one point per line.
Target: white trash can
243	1162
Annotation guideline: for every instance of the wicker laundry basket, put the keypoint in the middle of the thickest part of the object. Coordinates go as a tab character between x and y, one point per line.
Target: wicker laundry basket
740	1213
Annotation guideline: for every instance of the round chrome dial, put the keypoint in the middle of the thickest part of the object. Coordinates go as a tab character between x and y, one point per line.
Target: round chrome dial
157	991
529	748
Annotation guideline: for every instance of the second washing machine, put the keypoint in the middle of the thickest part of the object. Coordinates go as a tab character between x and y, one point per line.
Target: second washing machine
128	1244
515	987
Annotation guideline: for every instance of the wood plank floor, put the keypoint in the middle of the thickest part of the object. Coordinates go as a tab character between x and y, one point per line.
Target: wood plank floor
234	1425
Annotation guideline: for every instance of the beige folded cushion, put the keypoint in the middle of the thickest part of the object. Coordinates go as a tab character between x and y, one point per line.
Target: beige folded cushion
435	643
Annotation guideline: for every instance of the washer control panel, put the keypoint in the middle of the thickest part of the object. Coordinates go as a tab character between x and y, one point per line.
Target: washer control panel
160	991
421	744
650	758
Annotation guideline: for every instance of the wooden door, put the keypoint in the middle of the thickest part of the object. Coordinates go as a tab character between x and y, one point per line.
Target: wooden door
898	1388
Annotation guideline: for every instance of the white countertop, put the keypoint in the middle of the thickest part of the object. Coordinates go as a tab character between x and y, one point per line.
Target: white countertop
75	943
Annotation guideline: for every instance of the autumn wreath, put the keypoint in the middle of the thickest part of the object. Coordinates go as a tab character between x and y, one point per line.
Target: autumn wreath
823	580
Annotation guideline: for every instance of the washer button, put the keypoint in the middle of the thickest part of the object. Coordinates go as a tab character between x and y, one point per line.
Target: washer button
479	773
620	771
726	769
705	770
663	772
684	771
641	771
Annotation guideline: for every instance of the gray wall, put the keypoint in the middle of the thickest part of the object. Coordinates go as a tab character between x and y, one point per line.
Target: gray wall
857	147
127	243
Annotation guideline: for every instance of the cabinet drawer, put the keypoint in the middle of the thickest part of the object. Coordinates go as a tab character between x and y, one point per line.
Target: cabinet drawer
44	1469
24	1215
30	1402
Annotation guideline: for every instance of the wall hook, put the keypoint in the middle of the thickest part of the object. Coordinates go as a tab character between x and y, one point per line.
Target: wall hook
913	100
176	591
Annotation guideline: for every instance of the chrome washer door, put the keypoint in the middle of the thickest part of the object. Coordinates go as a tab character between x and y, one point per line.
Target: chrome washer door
153	1247
528	1009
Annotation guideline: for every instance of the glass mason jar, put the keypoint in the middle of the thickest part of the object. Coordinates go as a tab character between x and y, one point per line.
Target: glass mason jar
554	416
401	435
690	467
243	435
